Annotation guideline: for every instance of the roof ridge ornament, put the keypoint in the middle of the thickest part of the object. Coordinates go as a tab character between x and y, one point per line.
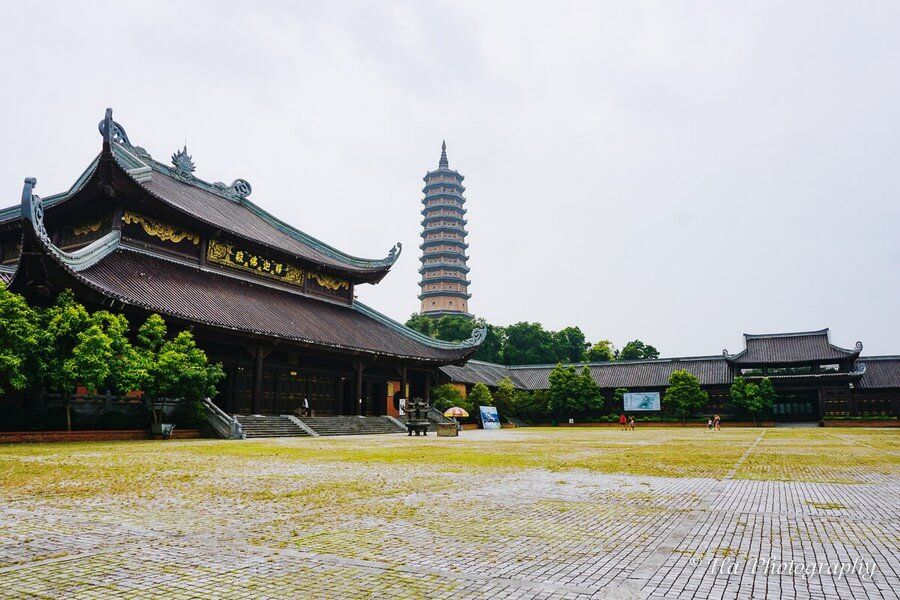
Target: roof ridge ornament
112	131
241	187
395	251
33	208
182	162
443	163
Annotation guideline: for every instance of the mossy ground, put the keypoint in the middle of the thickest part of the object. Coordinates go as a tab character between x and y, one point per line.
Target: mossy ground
417	511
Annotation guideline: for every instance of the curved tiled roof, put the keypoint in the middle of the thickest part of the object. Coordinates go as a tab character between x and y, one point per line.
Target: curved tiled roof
881	372
204	295
711	370
791	348
219	206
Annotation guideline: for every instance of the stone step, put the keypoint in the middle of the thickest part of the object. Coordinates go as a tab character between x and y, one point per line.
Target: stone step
255	426
351	425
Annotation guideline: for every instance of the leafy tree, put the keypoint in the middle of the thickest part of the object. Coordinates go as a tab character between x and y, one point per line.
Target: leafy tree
506	397
767	396
569	344
453	328
602	351
18	340
636	349
684	394
619	398
90	362
480	396
58	329
528	344
182	370
447	395
491	349
573	393
421	323
534	406
754	399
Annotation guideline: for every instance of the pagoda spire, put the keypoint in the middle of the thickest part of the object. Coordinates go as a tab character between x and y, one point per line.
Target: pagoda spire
443	163
445	281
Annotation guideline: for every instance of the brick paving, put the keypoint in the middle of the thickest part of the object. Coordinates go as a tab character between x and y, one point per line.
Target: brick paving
282	527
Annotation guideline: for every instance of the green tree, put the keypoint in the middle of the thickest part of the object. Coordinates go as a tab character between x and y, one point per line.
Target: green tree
491	349
636	349
573	393
453	328
569	344
619	398
506	397
684	395
480	396
182	370
754	399
447	395
534	406
58	329
18	340
528	344
421	323
602	351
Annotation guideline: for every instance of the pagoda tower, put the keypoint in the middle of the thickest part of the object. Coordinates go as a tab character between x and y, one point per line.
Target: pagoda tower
445	282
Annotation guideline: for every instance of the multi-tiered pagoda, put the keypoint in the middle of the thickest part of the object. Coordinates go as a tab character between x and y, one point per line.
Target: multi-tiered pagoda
444	271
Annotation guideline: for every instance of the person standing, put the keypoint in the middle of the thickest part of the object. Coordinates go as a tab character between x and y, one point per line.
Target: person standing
306	408
717	420
623	422
631	423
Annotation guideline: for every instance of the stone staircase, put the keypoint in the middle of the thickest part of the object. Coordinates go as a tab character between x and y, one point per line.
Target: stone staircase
257	426
352	425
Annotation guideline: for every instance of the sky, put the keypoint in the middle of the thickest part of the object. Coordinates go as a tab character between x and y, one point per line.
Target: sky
678	172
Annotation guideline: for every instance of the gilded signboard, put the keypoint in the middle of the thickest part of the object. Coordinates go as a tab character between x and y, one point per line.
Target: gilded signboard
229	255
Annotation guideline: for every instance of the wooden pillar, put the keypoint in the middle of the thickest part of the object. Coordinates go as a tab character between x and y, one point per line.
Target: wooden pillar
358	410
231	393
428	387
256	396
403	383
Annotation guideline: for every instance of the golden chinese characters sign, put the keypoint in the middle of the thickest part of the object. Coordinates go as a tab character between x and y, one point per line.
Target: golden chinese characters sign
227	254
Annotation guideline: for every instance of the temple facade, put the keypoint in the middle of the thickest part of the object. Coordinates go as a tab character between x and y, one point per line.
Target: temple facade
445	274
274	305
815	379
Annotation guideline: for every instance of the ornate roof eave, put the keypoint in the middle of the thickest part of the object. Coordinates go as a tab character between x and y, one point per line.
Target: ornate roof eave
436	293
859	369
139	165
472	343
14	213
442	265
847	354
75	262
444	279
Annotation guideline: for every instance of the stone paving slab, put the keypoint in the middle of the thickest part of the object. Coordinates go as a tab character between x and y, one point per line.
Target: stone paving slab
276	526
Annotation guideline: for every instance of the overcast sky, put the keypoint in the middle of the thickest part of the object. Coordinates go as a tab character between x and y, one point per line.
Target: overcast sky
675	172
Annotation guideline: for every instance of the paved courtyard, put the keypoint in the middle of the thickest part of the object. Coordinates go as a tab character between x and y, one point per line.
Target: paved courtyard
528	513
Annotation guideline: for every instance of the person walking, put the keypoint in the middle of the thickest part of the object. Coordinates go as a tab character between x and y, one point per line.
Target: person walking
306	408
623	422
709	423
631	423
717	420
